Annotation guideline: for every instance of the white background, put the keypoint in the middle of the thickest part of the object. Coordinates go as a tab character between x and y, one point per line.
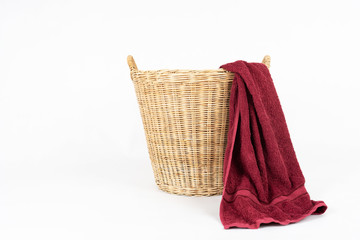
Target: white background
73	156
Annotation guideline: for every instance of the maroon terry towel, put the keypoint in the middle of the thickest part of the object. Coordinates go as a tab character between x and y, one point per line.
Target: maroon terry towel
263	181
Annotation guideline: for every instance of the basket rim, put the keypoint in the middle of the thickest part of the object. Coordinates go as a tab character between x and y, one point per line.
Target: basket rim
165	70
134	69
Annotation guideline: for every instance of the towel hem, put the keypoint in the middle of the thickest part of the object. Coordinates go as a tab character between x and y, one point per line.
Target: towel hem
256	225
319	207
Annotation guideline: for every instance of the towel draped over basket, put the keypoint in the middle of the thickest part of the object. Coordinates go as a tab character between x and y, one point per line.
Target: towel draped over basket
263	181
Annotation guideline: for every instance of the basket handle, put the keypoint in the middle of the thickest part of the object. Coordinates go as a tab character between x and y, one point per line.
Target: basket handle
131	63
266	60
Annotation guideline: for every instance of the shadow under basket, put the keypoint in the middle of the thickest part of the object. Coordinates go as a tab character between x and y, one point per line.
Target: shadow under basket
185	114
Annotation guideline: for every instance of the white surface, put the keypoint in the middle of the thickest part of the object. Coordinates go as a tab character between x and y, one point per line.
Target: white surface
73	156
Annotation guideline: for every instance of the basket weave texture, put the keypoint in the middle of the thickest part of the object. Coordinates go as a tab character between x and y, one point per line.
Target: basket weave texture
185	118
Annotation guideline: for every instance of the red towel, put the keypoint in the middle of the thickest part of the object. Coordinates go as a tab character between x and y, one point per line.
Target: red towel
263	181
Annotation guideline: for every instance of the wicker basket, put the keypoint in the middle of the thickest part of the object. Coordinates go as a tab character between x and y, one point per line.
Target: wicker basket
185	117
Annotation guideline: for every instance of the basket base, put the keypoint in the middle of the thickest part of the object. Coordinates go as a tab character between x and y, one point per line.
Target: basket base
191	191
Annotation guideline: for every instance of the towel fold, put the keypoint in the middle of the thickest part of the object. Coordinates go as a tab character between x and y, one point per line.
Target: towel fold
263	181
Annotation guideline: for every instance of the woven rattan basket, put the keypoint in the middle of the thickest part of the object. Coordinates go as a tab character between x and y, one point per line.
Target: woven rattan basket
185	118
